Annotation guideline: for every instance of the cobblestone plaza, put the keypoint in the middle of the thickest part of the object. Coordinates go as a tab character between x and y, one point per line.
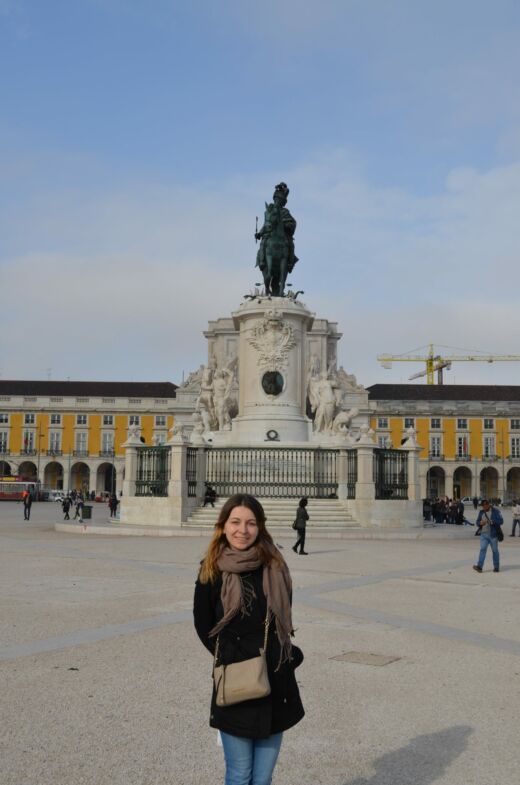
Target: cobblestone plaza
411	675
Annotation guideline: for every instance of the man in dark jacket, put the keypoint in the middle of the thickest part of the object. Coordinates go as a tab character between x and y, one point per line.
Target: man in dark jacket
302	516
489	524
27	504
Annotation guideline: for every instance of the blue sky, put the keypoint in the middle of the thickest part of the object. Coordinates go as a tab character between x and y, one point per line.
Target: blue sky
139	140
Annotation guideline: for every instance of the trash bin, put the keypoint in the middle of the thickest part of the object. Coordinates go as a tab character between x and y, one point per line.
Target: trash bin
87	512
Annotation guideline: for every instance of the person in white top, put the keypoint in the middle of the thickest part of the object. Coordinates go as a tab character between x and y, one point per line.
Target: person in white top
516	517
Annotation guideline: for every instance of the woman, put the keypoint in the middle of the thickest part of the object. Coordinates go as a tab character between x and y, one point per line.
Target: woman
243	580
302	516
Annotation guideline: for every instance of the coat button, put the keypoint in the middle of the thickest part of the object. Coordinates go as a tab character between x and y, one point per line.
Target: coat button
238	637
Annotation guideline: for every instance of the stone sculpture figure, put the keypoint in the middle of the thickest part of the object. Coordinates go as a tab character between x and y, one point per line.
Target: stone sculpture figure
276	257
342	421
222	382
327	404
204	403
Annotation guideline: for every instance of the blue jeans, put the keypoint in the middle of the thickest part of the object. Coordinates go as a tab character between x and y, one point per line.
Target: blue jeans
486	540
250	761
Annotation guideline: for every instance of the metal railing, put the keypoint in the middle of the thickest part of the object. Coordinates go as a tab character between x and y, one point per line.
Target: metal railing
191	471
28	451
273	472
80	453
153	471
390	474
4	451
106	453
351	473
53	453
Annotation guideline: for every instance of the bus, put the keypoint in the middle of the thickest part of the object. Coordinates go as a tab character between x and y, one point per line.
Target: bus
12	488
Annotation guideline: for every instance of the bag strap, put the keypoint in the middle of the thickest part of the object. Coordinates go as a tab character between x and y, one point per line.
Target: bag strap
266	633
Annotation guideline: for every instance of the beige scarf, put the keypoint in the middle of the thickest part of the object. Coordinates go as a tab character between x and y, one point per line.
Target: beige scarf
277	586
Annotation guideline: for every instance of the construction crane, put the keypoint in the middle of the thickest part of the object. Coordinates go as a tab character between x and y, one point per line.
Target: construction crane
438	363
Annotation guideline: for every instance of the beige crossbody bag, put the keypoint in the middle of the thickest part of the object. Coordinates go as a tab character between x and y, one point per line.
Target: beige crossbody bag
242	681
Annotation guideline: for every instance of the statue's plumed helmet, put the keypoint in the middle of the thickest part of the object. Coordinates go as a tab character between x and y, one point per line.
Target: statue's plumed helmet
282	190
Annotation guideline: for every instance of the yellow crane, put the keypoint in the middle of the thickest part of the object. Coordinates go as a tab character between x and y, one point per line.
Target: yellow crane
437	363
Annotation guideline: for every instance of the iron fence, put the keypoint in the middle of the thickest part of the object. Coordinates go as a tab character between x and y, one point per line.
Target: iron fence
351	473
273	472
153	471
390	474
191	471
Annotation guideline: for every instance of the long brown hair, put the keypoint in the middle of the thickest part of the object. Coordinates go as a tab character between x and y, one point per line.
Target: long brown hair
266	549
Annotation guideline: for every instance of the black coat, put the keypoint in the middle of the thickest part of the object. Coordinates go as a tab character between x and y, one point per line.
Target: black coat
302	516
239	640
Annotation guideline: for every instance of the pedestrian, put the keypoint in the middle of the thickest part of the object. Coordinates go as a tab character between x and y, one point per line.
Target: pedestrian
112	505
475	502
210	495
300	524
65	506
242	604
79	508
489	526
27	504
516	517
459	513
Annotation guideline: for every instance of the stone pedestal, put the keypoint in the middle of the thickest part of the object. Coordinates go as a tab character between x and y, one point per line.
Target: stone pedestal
272	372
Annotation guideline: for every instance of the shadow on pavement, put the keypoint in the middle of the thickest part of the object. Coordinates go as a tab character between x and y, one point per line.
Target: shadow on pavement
422	761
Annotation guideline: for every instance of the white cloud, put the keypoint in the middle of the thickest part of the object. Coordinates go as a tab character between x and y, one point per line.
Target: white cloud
121	285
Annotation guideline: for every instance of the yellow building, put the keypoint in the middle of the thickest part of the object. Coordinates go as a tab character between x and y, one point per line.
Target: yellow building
469	435
70	434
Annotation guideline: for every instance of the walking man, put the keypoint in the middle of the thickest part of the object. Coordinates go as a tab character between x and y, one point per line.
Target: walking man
27	504
300	524
65	506
489	526
516	517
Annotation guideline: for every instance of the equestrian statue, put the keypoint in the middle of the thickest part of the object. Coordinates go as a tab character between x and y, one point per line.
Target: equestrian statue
276	257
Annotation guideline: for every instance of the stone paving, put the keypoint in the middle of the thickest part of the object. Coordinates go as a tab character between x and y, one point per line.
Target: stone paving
412	669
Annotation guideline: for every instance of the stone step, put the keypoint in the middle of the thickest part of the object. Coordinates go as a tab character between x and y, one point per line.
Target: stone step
324	514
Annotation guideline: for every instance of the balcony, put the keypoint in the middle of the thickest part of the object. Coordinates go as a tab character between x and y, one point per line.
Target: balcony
53	453
80	453
435	456
4	451
462	457
28	451
107	453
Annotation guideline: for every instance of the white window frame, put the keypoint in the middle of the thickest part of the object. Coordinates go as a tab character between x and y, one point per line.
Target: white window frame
515	447
160	421
461	452
107	441
28	440
462	420
410	421
29	418
435	446
134	419
382	422
4	418
81	441
55	419
160	438
4	441
83	421
515	424
55	441
489	447
485	424
435	420
108	420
